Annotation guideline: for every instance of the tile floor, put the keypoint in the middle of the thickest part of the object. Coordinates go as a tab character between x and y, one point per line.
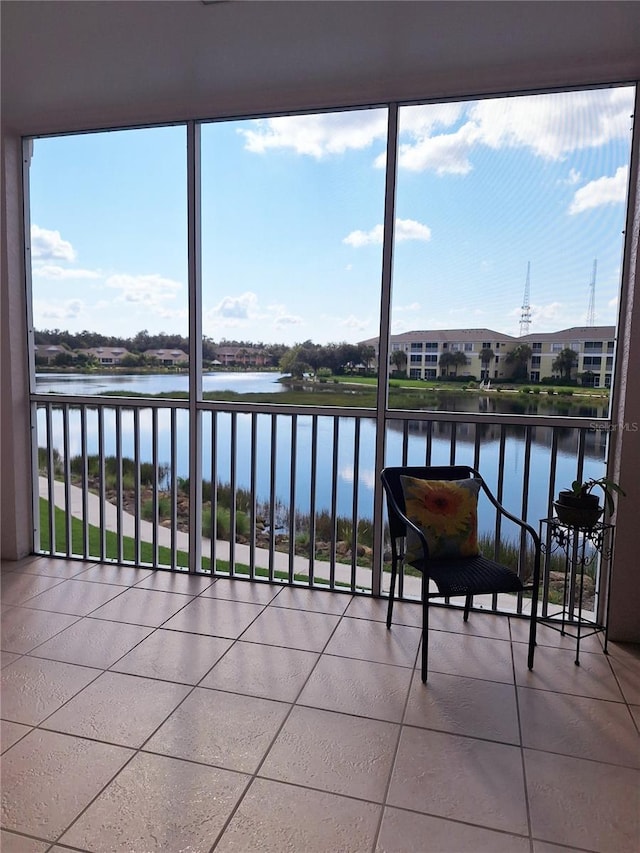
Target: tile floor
144	711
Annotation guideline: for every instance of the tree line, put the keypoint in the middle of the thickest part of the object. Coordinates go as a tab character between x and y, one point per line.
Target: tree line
299	359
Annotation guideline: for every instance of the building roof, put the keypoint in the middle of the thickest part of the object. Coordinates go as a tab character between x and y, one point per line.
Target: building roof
166	353
575	333
105	351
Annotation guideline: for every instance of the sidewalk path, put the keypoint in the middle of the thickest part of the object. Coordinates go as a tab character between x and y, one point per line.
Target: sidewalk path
242	552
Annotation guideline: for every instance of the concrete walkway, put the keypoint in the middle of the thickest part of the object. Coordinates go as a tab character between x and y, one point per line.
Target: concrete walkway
242	553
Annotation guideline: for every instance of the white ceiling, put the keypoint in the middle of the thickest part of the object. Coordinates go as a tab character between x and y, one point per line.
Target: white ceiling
75	65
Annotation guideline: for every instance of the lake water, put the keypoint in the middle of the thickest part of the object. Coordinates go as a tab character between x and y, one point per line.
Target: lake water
155	383
332	481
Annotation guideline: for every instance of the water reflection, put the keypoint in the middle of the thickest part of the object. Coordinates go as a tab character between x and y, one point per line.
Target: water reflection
330	463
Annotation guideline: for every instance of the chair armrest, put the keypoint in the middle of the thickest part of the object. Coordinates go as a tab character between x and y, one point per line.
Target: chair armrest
504	511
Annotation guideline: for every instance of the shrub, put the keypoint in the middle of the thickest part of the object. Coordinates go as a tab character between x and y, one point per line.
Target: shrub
164	508
43	461
223	523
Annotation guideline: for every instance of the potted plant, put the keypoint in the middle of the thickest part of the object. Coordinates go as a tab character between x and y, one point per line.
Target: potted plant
578	506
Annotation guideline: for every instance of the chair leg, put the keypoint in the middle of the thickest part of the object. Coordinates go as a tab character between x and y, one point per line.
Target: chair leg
533	618
467	607
392	589
425	627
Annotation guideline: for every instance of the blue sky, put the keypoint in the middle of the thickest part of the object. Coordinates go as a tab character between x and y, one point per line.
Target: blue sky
292	213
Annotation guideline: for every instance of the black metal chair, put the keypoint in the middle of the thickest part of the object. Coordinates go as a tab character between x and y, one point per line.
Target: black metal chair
468	576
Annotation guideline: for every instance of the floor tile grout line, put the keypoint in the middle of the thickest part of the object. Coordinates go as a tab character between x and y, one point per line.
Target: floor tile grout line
521	748
135	751
294	704
394	759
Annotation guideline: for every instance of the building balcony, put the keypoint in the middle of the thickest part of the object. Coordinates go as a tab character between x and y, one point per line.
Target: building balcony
258	701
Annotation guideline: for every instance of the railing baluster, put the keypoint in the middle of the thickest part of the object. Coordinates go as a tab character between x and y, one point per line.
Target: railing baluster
354	506
101	487
119	509
50	479
174	490
66	463
136	485
272	494
292	497
156	485
232	496
452	443
84	478
334	503
312	499
253	511
214	491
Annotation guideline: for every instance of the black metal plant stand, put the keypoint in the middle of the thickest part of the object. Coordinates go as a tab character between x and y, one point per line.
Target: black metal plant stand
580	547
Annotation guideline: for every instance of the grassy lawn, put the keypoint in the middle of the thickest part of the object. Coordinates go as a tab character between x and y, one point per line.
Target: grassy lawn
360	392
128	548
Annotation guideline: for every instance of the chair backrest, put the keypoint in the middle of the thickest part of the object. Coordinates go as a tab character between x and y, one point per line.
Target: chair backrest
393	487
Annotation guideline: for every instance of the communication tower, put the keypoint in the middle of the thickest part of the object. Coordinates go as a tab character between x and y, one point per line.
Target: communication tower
525	316
591	310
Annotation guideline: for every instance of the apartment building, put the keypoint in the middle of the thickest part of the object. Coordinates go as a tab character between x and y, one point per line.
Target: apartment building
486	353
594	347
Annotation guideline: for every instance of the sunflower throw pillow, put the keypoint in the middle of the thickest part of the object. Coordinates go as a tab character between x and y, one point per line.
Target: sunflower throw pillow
447	513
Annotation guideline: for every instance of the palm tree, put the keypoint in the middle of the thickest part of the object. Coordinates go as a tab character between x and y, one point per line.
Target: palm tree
447	359
399	360
486	357
519	357
565	362
367	355
459	360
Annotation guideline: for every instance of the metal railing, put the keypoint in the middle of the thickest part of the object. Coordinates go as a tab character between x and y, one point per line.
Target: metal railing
289	494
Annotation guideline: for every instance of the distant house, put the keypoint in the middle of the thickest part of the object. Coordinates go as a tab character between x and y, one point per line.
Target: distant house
245	355
46	353
107	356
168	357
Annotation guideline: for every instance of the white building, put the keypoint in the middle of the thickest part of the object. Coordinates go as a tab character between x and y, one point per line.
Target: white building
486	353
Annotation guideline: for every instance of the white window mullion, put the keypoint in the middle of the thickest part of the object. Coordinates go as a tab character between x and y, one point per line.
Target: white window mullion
195	345
383	346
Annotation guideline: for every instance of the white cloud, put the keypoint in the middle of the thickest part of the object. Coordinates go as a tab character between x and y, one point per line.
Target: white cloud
414	306
318	135
56	273
605	190
440	137
444	154
67	310
365	238
354	323
243	307
151	290
49	245
550	126
573	178
409	229
546	318
405	229
285	320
